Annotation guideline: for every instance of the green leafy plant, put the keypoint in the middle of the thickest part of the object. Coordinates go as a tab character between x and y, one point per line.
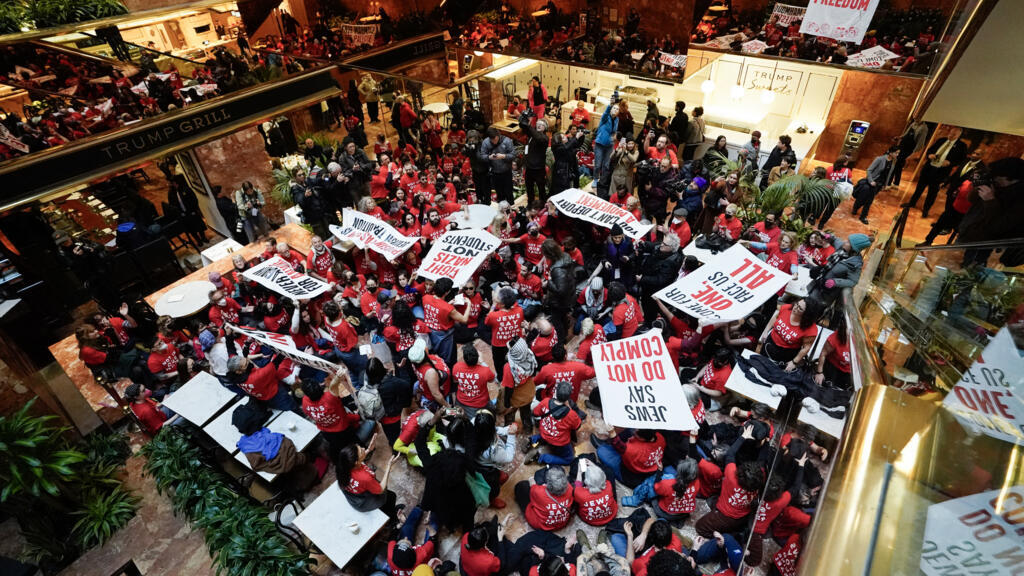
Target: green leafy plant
13	15
281	192
46	13
102	515
106	449
35	455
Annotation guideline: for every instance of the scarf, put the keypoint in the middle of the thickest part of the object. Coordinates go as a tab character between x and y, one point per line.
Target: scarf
263	441
594	302
521	361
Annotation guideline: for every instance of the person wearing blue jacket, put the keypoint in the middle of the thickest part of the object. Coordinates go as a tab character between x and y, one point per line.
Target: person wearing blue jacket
604	137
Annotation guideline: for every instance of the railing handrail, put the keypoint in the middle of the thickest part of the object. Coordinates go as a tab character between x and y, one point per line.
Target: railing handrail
147	49
964	246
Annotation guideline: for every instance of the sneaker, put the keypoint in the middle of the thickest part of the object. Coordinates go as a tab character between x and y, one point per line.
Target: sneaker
602	537
531	455
498	503
581	537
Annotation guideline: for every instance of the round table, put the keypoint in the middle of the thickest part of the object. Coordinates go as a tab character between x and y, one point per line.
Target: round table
184	300
480	217
436	107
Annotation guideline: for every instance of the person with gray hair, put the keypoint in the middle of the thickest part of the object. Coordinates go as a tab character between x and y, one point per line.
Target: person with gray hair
660	269
559	421
263	383
536	158
546	500
594	494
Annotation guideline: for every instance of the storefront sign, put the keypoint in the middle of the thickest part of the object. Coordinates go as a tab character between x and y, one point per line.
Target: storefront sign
457	255
285	346
785	14
279	276
873	57
989	399
578	204
639	384
365	231
729	287
843	20
976	534
402	53
782	82
673	60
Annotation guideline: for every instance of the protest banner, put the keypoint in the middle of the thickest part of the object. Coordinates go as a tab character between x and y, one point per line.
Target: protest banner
754	46
728	287
976	534
358	34
457	255
10	140
674	60
843	20
285	345
579	204
279	276
873	57
365	231
989	399
786	14
639	384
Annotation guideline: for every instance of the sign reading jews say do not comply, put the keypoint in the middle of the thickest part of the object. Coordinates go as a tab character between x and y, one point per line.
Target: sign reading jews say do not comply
457	255
279	276
639	384
729	287
977	534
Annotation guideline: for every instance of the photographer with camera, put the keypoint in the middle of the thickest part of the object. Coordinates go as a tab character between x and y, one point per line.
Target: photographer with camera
308	198
536	155
657	188
479	166
498	152
623	164
565	170
356	170
251	219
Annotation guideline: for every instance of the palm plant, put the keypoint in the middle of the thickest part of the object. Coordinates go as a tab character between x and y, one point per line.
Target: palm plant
13	15
719	166
45	13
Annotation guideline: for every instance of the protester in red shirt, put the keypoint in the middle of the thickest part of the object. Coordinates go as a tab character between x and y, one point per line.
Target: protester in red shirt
661	149
440	316
433	375
506	322
163	360
740	487
403	557
711	380
359	484
834	360
149	414
471	380
594	494
263	383
320	259
471	306
559	422
475	555
592	335
579	116
626	315
655	536
223	310
728	225
768	229
792	329
546	506
322	404
531	242
562	370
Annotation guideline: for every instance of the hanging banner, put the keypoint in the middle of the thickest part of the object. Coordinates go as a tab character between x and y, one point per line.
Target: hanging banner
728	287
279	276
285	346
843	20
989	399
639	384
365	231
785	14
583	206
976	534
674	60
355	35
9	140
457	255
873	57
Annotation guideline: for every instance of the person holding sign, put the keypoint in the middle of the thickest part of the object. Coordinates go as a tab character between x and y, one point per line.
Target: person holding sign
263	384
790	332
322	404
626	313
346	341
440	315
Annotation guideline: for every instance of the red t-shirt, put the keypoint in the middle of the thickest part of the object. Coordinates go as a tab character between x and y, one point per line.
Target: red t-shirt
640	564
715	378
471	310
531	287
424	552
320	263
542	346
556	431
432	232
595	509
787	335
682	229
505	325
149	415
627	315
732	227
768	235
117	325
480	562
262	382
767	512
93	357
840	354
788	556
567	371
673	503
437	313
644	457
226	313
166	363
421	376
710	477
471	384
785	261
328	413
734	502
343	335
368	304
363	480
791	521
546	511
531	247
586	344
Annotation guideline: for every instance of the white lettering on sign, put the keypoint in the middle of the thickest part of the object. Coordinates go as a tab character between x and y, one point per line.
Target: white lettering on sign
583	206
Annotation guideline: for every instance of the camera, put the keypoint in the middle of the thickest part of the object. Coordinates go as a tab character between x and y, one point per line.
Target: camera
647	168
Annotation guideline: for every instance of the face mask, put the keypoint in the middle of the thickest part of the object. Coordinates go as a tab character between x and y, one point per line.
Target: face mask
769	224
534	233
222	302
371	289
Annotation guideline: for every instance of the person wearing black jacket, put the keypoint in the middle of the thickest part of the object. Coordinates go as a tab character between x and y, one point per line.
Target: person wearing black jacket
564	172
309	200
560	292
356	169
396	392
659	269
679	125
536	157
945	155
181	198
480	167
784	149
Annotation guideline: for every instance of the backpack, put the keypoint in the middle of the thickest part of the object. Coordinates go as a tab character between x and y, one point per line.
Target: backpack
371	407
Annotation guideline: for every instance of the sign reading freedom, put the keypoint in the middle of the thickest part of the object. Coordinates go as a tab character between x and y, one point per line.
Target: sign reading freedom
640	386
729	287
579	204
457	255
280	277
285	346
369	232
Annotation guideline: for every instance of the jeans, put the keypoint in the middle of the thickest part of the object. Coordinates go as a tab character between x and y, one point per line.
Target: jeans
255	226
412	521
611	458
710	551
602	156
558	455
444	344
283	400
356	364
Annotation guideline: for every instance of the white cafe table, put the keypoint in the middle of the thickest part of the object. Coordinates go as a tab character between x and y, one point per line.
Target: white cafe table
436	107
293	215
739	384
702	254
200	398
480	217
219	250
184	300
223	432
329	521
296	428
823	422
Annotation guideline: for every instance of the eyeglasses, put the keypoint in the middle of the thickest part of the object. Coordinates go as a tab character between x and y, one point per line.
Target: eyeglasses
469	288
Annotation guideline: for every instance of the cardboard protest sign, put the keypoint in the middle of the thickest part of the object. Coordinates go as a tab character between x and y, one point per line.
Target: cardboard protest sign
365	231
279	276
639	384
873	57
754	46
786	14
674	60
10	140
588	207
457	255
843	20
284	345
728	287
989	399
976	534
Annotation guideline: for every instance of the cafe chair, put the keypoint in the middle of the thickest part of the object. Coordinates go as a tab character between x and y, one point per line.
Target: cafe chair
509	90
173	228
158	263
125	276
554	107
283	520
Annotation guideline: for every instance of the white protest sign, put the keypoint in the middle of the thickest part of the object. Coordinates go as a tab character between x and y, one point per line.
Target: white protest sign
279	276
786	14
639	384
989	399
7	138
583	206
457	255
976	534
873	57
728	287
369	232
358	34
754	46
843	20
674	60
284	345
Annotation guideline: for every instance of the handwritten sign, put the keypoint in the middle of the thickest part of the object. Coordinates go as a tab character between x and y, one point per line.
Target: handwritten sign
639	384
989	399
729	287
976	534
457	255
843	20
285	346
365	231
279	276
873	57
583	206
673	60
785	14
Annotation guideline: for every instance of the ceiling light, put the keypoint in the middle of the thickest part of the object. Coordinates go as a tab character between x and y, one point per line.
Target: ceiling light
707	86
